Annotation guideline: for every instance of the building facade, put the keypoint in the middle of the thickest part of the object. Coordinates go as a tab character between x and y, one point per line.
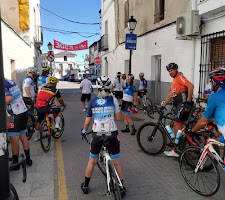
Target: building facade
94	51
22	37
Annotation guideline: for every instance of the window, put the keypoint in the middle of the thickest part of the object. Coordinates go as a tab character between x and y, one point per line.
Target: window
159	10
65	58
126	13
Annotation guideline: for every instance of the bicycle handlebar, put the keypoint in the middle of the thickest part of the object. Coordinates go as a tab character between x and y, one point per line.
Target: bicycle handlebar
23	164
85	138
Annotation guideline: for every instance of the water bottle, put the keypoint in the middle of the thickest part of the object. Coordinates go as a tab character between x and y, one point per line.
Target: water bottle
179	134
170	131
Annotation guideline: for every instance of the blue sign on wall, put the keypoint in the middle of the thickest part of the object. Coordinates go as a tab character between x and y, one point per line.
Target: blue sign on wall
98	66
131	41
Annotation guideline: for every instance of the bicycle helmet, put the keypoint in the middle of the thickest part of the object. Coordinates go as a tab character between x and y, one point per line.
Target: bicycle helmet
118	74
45	68
103	83
141	74
172	66
53	79
218	75
31	70
123	75
130	76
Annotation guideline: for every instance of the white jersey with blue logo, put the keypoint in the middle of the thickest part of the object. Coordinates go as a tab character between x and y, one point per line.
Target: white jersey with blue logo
28	82
143	84
128	93
216	108
17	106
42	80
103	110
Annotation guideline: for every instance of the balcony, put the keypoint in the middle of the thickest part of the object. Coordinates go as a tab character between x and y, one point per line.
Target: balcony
104	42
38	37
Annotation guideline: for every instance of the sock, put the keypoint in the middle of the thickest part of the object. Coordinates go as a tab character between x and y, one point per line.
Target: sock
37	133
127	126
86	182
15	159
57	120
133	127
27	153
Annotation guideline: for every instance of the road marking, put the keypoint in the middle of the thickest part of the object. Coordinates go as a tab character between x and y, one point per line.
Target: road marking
62	189
137	116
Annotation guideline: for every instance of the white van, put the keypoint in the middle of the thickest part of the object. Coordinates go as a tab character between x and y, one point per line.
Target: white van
79	76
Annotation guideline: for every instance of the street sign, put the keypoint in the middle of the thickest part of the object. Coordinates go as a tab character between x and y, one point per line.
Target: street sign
131	41
50	58
97	60
98	66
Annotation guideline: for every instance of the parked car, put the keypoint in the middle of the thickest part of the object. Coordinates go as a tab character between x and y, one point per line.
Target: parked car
91	77
79	76
66	77
72	77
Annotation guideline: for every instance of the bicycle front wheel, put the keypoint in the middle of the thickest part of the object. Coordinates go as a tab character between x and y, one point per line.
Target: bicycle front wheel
151	139
114	184
45	136
57	135
204	182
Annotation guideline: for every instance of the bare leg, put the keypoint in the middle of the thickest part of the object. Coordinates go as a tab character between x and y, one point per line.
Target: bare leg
14	140
118	167
24	141
90	167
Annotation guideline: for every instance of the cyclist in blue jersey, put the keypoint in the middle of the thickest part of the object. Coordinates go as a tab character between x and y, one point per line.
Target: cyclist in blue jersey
18	116
142	90
43	79
106	110
129	94
215	108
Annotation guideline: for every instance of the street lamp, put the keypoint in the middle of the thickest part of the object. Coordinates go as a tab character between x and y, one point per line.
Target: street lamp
131	26
50	51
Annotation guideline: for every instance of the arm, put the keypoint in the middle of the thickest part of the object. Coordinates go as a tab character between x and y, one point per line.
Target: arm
62	102
168	98
202	122
117	114
8	99
190	92
27	90
87	123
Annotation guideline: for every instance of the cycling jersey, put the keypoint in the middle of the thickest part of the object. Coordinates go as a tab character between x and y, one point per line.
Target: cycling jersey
42	80
46	95
216	108
28	82
143	84
17	106
128	93
179	88
118	84
103	110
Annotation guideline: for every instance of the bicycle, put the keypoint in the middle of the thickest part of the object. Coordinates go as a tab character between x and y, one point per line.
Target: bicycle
146	105
31	124
47	130
202	164
106	166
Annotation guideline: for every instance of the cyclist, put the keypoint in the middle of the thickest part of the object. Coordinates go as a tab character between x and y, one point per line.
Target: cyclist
44	104
105	109
142	90
86	87
18	116
208	91
29	88
129	94
215	105
124	77
43	79
118	87
181	92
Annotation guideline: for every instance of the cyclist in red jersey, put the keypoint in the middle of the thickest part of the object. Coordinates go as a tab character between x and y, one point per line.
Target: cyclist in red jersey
181	91
43	104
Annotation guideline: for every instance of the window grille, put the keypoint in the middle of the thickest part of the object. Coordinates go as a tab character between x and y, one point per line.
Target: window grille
159	10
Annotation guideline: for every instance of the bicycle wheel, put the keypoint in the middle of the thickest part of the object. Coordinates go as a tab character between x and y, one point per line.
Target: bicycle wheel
114	185
169	121
45	136
140	106
151	139
57	135
30	126
205	182
101	164
149	106
13	191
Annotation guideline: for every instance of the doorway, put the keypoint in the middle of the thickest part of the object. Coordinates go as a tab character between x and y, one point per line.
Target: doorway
13	70
126	67
106	66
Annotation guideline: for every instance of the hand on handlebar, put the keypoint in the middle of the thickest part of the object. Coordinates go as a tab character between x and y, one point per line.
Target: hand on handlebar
162	108
83	132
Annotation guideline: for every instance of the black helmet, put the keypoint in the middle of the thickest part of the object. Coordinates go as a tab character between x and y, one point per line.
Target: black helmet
131	76
172	66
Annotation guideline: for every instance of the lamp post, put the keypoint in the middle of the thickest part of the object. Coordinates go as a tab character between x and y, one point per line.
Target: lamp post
50	51
131	26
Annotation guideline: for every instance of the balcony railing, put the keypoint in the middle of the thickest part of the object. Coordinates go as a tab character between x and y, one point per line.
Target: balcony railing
38	37
104	42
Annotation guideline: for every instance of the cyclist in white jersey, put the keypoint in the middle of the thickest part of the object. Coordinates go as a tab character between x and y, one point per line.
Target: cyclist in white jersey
43	79
118	85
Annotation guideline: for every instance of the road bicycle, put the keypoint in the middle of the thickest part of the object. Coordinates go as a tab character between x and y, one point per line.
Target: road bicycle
199	169
146	105
152	137
47	130
106	166
31	124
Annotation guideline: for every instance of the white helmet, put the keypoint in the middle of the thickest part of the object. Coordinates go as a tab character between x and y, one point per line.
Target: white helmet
32	69
103	83
141	74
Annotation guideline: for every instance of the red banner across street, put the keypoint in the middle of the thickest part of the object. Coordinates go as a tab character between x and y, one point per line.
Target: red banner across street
76	47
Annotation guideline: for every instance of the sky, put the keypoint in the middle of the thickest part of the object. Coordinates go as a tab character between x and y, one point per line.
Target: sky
76	10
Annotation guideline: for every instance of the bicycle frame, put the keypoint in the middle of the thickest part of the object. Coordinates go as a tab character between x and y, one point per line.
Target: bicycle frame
208	148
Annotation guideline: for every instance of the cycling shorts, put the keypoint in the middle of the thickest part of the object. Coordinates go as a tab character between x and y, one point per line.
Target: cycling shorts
18	124
113	141
119	94
141	93
180	114
85	96
126	107
41	112
29	104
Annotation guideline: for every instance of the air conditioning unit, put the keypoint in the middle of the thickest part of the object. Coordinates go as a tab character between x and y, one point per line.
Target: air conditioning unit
188	24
